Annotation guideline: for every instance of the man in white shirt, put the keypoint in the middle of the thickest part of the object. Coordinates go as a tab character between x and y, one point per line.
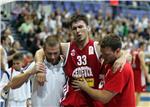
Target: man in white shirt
51	92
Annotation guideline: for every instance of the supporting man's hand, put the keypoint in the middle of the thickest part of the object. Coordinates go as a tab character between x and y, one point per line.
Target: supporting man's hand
40	73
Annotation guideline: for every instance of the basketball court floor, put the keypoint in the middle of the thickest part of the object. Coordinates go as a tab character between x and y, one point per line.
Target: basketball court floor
144	100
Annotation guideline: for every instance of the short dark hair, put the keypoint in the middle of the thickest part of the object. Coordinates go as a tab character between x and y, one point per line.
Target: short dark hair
3	38
141	44
18	56
51	41
112	41
77	17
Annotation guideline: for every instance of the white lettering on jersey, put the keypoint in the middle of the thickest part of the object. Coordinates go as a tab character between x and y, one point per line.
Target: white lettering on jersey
84	71
101	84
73	52
91	50
102	81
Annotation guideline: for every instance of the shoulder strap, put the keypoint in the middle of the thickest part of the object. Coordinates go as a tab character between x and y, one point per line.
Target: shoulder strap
9	75
11	72
22	71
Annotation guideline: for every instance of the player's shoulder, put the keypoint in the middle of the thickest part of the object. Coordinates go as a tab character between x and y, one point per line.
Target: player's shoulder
127	67
97	48
65	48
1	48
96	42
141	53
65	44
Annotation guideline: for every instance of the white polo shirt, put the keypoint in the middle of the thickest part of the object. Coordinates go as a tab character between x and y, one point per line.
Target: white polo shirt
50	94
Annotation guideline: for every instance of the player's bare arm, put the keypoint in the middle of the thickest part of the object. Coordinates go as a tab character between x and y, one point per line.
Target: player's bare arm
1	59
65	48
97	46
119	63
143	66
39	56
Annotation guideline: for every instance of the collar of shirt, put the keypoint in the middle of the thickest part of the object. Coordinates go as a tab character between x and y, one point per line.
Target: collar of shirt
49	65
21	70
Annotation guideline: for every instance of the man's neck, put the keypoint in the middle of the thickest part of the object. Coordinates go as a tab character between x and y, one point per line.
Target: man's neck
18	69
141	49
53	64
118	56
83	43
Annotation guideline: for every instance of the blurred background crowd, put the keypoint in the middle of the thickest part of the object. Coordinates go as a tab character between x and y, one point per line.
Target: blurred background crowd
26	24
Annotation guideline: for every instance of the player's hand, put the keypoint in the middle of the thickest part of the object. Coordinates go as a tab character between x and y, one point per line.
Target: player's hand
40	73
6	88
28	102
41	78
79	84
119	64
38	67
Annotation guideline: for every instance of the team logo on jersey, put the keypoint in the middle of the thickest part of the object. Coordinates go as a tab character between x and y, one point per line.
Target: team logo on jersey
85	72
91	50
102	81
101	84
73	52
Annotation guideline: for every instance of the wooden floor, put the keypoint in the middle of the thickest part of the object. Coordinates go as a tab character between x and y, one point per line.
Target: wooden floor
145	100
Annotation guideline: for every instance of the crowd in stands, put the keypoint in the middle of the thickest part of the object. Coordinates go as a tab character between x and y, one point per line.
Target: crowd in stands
28	27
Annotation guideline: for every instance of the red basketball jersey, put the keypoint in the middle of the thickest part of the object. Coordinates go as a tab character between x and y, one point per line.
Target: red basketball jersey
136	65
139	78
81	63
121	83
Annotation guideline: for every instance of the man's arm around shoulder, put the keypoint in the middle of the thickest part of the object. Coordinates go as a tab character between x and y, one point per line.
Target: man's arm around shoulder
18	80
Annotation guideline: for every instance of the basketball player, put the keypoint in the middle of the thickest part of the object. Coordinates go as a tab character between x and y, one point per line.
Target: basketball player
140	70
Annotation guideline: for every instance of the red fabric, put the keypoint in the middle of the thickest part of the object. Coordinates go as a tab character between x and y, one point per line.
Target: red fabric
114	2
136	66
121	83
81	62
